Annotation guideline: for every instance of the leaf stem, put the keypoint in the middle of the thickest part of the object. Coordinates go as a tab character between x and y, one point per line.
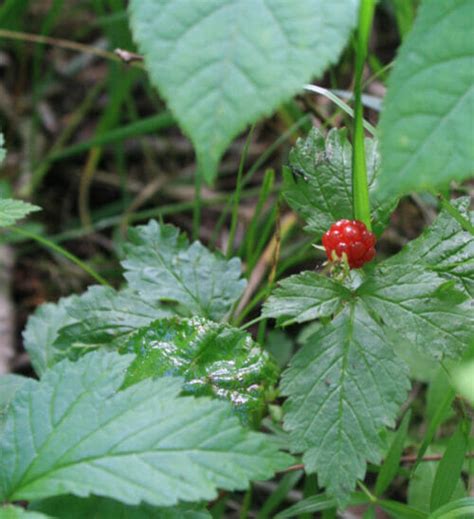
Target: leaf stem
57	248
360	190
456	214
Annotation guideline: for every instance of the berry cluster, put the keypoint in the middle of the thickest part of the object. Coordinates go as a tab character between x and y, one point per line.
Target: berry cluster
352	238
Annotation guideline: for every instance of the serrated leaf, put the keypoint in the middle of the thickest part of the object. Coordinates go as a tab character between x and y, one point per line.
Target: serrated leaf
214	359
9	385
343	386
42	331
104	316
445	248
422	307
222	65
322	188
79	436
13	210
305	297
71	507
16	512
162	266
426	124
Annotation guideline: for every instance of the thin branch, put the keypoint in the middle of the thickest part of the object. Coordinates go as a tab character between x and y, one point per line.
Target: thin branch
128	57
409	458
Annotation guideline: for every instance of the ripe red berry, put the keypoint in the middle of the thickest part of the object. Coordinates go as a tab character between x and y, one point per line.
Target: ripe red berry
352	238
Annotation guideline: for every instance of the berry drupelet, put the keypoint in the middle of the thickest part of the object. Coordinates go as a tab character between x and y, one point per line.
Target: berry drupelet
352	238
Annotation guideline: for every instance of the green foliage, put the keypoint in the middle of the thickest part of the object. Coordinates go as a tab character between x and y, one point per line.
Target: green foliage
222	65
80	436
104	316
16	512
347	382
460	508
214	360
449	469
445	247
9	385
42	330
426	124
305	297
162	266
13	210
71	507
421	307
321	192
344	385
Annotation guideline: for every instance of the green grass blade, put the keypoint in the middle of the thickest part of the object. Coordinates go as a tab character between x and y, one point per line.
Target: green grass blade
460	508
450	467
390	467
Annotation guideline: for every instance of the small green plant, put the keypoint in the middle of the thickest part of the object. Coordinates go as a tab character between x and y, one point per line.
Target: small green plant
150	399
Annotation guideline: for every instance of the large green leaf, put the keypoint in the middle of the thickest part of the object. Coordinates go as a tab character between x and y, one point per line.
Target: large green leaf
13	210
104	316
426	124
222	64
72	432
16	512
322	188
71	507
214	359
42	330
162	266
421	307
344	385
445	247
305	297
9	385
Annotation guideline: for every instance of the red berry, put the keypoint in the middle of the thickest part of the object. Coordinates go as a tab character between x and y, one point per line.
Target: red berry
352	238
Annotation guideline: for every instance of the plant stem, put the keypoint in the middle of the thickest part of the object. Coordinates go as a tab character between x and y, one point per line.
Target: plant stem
456	214
237	194
57	248
360	190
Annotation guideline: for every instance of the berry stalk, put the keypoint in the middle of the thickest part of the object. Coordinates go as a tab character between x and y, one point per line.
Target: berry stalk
360	189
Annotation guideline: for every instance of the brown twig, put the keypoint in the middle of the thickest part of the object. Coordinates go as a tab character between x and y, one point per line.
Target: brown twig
128	57
409	458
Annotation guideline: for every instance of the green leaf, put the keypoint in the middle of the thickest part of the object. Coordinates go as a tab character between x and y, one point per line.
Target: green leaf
13	210
422	307
305	297
392	460
9	385
104	316
214	360
450	467
460	508
400	510
322	190
318	504
162	266
42	331
421	483
16	512
464	380
344	385
444	247
223	65
80	436
71	507
426	124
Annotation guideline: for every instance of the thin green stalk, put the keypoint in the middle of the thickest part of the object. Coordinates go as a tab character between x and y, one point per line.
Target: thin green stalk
237	194
57	248
197	209
360	190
